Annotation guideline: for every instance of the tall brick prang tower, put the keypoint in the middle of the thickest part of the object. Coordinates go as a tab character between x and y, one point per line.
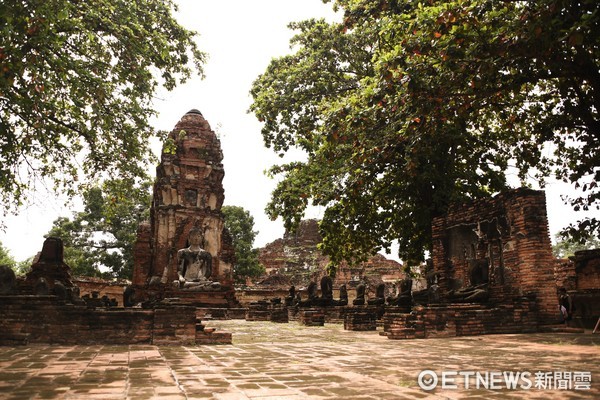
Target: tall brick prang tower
188	193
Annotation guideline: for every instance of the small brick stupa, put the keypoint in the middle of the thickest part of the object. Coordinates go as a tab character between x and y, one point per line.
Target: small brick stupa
188	193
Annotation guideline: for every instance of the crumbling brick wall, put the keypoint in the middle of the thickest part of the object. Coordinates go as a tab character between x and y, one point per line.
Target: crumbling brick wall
586	296
297	256
564	273
89	285
46	319
142	255
587	269
509	234
518	316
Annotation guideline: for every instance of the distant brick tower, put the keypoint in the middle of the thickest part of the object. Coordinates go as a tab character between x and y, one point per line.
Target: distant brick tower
188	193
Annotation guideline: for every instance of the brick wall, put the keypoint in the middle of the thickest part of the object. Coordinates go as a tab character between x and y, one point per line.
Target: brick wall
586	296
587	269
297	257
446	320
45	319
509	232
564	273
142	255
88	285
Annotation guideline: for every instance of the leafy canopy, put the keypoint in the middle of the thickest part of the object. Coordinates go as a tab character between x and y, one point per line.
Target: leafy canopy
240	224
564	248
408	106
6	258
77	80
99	240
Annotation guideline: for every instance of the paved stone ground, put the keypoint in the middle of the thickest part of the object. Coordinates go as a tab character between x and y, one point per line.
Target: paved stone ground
288	361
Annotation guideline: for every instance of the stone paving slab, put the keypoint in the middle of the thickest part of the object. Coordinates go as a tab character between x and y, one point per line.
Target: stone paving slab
288	361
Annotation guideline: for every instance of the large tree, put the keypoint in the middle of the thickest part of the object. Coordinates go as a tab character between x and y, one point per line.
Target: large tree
98	241
240	224
77	80
407	106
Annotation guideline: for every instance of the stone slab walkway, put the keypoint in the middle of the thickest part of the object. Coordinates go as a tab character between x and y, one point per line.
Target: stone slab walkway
289	361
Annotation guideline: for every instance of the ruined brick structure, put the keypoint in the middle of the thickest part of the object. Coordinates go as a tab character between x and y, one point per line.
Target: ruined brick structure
48	265
45	307
497	254
112	289
580	276
47	319
502	241
297	257
188	193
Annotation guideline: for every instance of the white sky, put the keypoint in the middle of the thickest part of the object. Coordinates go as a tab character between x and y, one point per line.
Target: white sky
241	37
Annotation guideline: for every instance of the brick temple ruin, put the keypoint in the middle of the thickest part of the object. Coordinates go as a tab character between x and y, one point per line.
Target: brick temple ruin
580	276
45	307
491	271
296	260
188	195
173	274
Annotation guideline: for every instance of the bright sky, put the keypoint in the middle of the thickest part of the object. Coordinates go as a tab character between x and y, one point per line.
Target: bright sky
241	37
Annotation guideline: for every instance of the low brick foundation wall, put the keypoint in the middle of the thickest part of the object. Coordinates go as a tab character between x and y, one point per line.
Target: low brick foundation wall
311	316
266	311
259	311
292	314
462	320
279	314
45	319
360	318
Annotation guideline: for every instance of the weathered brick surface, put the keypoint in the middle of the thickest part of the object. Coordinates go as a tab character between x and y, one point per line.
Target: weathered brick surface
266	311
564	273
142	255
174	325
259	311
518	316
279	314
216	337
253	294
510	233
311	316
111	289
587	269
580	275
296	257
360	318
45	319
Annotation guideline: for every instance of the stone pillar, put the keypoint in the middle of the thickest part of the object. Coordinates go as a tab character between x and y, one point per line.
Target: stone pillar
529	223
142	254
